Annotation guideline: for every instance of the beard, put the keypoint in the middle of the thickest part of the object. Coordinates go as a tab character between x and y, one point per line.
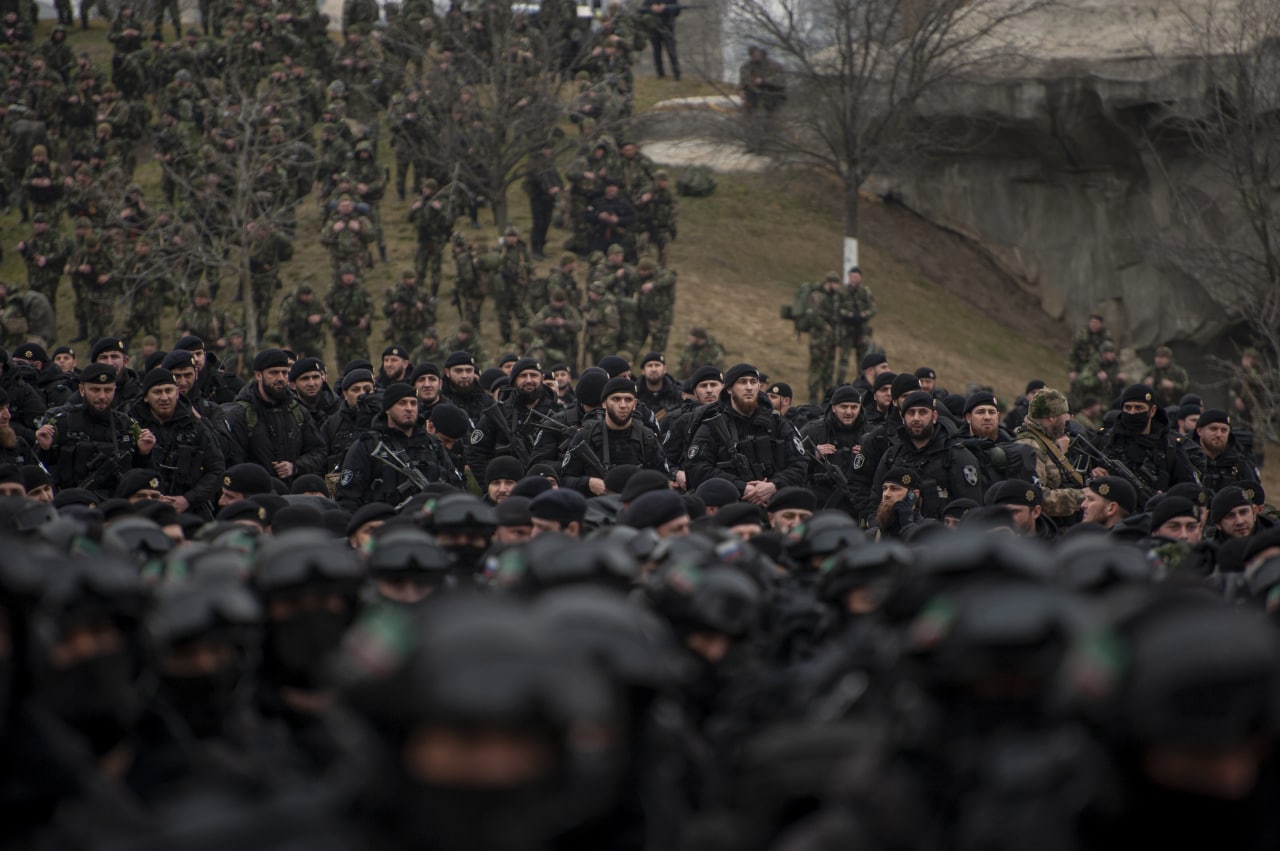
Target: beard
276	394
8	437
926	433
527	398
885	516
617	422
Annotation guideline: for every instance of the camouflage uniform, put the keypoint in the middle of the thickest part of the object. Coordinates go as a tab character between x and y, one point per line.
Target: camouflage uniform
857	308
351	307
1088	347
93	275
511	284
655	306
601	321
370	186
465	340
560	323
205	321
267	250
1174	373
703	350
622	283
347	236
657	212
821	320
432	226
42	185
148	290
470	283
45	255
561	278
1061	485
304	337
408	311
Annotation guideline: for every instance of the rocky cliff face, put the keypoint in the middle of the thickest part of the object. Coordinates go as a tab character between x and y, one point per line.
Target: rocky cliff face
1064	191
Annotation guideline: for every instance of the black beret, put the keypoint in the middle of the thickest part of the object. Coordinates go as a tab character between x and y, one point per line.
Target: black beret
641	483
243	509
717	492
355	376
782	389
654	509
958	507
845	393
1225	501
459	359
297	516
270	359
738	514
530	486
247	479
903	383
309	483
614	365
558	366
1213	415
507	358
304	365
98	373
504	467
616	479
1117	490
358	363
34	477
398	351
159	375
740	370
926	372
136	480
884	379
31	351
178	359
903	477
705	373
367	514
1185	411
793	497
1253	491
153	360
651	357
11	474
918	399
982	397
1171	507
450	420
1137	393
490	378
618	385
425	368
1014	492
590	387
1033	385
514	511
63	350
74	496
873	359
106	344
397	391
189	343
1191	491
561	505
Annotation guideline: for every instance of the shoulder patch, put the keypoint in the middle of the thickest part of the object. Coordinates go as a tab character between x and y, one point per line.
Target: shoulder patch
477	435
795	441
693	451
970	475
859	461
347	477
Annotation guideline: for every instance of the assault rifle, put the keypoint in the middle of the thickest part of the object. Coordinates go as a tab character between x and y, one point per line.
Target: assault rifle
1091	454
414	481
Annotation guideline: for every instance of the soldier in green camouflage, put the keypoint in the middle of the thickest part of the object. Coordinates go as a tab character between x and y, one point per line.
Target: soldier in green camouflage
432	224
857	308
303	321
511	284
559	324
408	310
657	211
586	176
268	251
428	349
347	235
465	340
350	308
45	254
821	321
562	278
701	350
202	320
530	345
147	287
92	271
601	322
470	284
1088	345
655	305
1169	381
370	185
1101	377
622	284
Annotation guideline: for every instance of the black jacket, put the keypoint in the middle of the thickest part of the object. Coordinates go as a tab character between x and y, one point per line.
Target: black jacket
187	456
258	431
767	449
365	479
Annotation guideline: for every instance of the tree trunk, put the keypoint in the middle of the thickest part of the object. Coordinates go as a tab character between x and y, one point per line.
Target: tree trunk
850	226
498	200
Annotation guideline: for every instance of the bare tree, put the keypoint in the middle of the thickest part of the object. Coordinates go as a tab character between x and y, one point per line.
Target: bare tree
858	73
1226	232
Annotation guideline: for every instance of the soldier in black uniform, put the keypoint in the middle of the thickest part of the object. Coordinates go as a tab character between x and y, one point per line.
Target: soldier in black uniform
615	437
837	437
461	389
1142	440
307	380
999	458
656	388
1216	456
113	352
745	441
342	427
88	443
944	470
185	455
367	479
703	389
515	426
267	426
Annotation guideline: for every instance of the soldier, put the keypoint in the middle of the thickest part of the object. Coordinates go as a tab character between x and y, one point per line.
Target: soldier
268	250
374	469
857	308
1215	455
429	349
408	310
433	224
614	438
93	276
658	211
1088	345
349	308
405	120
944	469
601	323
560	323
26	315
1143	441
999	457
513	427
542	184
461	387
470	283
203	320
181	365
148	289
515	269
562	278
657	390
655	305
821	320
45	254
1168	380
370	186
308	383
426	381
303	320
701	350
184	454
88	443
1245	393
611	216
42	185
587	175
268	427
341	428
347	235
465	339
744	442
1044	431
1101	377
